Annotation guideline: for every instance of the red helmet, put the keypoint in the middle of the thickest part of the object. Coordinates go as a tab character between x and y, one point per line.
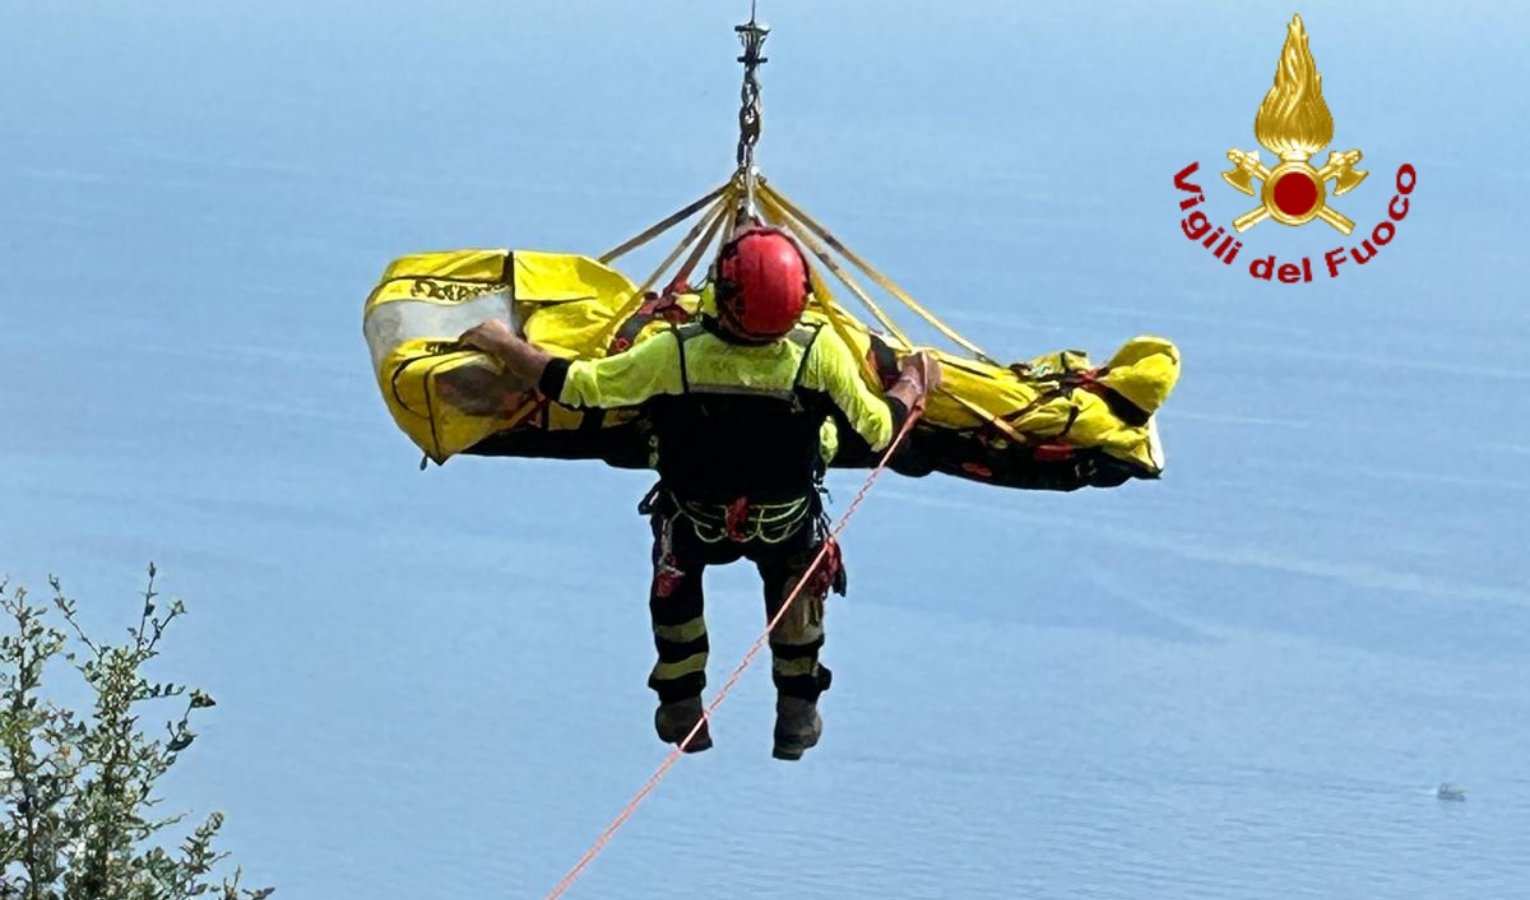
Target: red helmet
761	284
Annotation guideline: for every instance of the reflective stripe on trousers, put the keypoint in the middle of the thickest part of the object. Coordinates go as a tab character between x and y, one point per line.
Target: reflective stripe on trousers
677	607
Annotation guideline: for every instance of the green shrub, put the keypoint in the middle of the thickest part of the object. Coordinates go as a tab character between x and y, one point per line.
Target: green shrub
81	821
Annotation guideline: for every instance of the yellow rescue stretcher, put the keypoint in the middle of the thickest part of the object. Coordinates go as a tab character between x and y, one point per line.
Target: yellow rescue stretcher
1055	422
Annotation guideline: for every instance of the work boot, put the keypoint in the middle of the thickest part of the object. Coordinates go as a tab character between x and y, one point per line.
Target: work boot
673	721
798	727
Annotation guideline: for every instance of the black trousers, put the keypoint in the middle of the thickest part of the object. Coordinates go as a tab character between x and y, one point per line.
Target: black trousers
677	605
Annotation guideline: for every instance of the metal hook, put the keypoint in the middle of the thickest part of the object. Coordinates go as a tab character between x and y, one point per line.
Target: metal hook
752	35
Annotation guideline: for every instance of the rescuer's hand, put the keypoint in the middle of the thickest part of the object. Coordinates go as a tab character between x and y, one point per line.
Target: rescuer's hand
926	369
493	337
522	360
921	374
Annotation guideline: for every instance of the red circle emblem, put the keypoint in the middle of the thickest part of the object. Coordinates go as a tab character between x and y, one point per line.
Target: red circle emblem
1295	194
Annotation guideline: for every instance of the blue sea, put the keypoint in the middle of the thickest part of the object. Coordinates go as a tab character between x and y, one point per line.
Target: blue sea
1242	682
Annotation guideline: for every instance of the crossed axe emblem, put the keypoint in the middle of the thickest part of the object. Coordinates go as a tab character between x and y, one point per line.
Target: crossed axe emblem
1294	193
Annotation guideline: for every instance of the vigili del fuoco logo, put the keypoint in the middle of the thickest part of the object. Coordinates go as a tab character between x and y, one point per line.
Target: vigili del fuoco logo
1293	123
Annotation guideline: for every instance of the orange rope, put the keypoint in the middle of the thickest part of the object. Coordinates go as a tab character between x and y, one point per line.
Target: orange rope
722	692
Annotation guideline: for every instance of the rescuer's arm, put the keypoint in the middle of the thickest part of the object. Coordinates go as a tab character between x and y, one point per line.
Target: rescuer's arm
626	379
523	361
835	370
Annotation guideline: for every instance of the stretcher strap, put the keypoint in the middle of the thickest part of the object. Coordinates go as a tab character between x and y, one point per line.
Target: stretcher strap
886	283
986	416
701	248
661	226
798	230
825	298
717	212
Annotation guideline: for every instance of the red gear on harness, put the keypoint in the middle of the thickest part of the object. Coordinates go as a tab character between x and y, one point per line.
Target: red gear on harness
737	518
667	574
829	575
761	284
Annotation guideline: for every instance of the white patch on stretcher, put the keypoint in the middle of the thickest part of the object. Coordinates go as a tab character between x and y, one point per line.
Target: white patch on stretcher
392	324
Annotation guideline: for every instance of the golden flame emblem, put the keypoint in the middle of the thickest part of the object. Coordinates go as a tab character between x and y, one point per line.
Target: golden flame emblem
1294	123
